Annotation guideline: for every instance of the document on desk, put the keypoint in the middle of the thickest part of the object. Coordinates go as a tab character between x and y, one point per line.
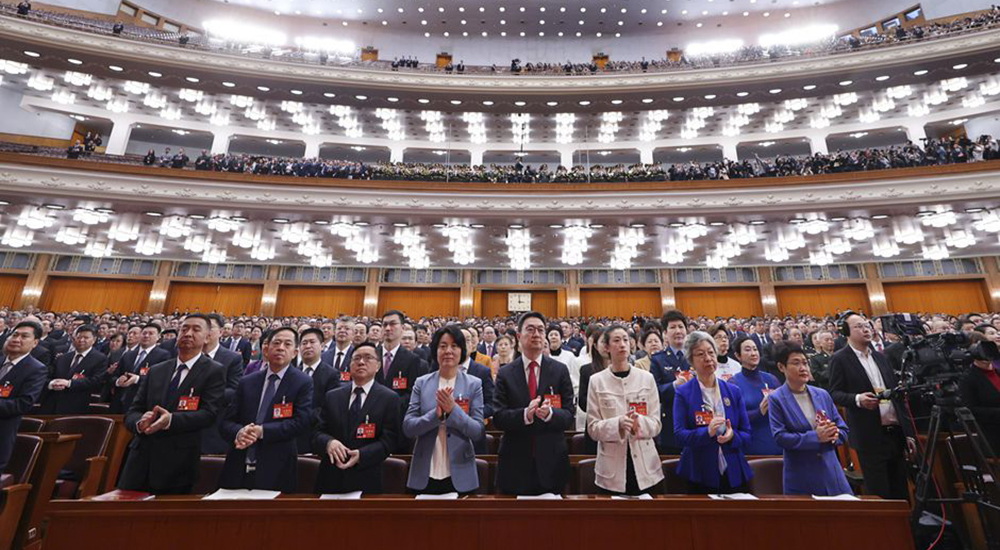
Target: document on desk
734	496
446	496
242	494
543	496
644	496
836	497
356	495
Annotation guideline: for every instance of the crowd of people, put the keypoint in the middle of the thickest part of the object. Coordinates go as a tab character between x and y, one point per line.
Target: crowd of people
932	152
353	391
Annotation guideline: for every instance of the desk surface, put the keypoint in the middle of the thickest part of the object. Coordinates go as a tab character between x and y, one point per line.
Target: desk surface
491	522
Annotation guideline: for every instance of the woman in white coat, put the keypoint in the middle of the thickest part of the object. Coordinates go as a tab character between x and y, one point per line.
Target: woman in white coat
623	416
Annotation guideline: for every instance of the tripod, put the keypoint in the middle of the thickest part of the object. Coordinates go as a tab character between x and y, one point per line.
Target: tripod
974	477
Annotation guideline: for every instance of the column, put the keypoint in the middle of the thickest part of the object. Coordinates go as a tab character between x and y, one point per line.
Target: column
269	298
876	292
161	286
35	283
916	132
817	143
646	155
396	153
120	133
668	298
220	142
466	297
768	297
312	148
729	150
566	157
476	157
992	281
573	306
370	307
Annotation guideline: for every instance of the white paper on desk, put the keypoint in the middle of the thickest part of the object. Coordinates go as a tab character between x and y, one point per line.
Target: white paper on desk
446	496
844	496
734	496
356	495
644	496
543	496
242	494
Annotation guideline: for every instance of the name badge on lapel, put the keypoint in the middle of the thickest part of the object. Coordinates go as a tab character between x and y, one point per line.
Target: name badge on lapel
821	417
345	376
188	403
282	410
366	430
637	408
78	376
6	390
463	403
703	417
553	399
143	371
399	383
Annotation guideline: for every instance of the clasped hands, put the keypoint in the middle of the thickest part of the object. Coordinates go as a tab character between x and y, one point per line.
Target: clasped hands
59	384
154	421
445	402
340	455
629	423
538	408
126	380
248	435
714	427
827	431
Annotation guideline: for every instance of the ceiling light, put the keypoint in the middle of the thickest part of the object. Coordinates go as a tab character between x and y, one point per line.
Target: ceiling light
921	72
960	66
30	53
229	84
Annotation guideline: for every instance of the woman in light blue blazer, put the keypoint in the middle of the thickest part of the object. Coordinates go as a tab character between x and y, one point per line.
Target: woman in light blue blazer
445	416
806	425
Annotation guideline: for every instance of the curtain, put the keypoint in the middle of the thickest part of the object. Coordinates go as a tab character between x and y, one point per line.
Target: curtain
545	302
227	299
329	302
623	303
420	302
953	297
64	294
11	287
719	302
821	300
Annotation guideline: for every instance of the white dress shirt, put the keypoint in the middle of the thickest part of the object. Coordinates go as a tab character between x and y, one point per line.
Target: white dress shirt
83	355
885	408
190	365
364	396
538	384
440	466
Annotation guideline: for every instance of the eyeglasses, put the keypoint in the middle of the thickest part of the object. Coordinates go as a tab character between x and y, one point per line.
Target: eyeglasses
534	329
362	358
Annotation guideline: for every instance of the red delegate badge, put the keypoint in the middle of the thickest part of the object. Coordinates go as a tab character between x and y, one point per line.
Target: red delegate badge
637	408
78	376
143	371
463	403
399	383
189	403
703	418
282	410
6	390
366	431
345	376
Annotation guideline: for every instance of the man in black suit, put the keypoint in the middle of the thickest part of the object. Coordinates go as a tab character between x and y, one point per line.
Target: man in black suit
533	406
272	408
177	400
75	376
338	354
134	366
238	344
400	367
212	442
323	376
22	378
858	375
358	427
103	343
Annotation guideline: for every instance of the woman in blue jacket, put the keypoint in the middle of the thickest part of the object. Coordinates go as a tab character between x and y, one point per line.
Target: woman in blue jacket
710	424
805	423
755	385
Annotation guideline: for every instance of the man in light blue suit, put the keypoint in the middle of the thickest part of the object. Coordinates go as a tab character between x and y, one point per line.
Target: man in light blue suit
807	426
445	416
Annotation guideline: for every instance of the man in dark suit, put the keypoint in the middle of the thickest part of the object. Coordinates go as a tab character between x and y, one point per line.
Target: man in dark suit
358	428
338	354
400	367
177	400
324	379
533	406
488	345
671	370
134	366
858	375
22	378
75	376
103	343
238	344
272	408
212	442
759	335
569	343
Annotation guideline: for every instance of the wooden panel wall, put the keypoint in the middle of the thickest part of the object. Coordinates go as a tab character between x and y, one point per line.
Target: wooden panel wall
955	297
330	302
95	295
820	300
494	302
719	302
227	299
11	287
620	302
420	302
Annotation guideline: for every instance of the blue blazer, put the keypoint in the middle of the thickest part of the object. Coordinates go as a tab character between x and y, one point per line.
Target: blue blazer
421	422
664	367
751	384
700	457
27	380
277	451
811	467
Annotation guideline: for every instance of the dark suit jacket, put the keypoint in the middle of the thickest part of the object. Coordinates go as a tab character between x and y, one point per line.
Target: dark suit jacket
539	446
167	462
664	367
847	379
405	364
381	408
44	354
983	399
232	362
277	451
26	379
324	379
243	348
76	398
330	357
123	397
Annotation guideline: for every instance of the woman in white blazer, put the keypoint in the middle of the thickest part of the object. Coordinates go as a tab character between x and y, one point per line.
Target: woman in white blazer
623	416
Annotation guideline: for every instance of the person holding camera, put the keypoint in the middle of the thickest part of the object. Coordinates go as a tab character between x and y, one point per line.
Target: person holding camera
980	391
859	380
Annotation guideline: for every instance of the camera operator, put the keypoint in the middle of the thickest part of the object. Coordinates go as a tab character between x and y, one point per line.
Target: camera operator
980	391
859	376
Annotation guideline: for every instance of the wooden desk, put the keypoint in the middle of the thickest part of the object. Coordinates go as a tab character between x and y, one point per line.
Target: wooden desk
55	452
581	523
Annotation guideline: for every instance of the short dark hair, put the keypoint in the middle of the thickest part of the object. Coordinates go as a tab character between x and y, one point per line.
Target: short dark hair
455	332
716	328
530	315
164	332
35	327
785	350
216	318
201	316
673	315
158	328
606	335
982	328
651	332
289	329
396	312
86	328
315	331
366	344
553	327
738	344
85	319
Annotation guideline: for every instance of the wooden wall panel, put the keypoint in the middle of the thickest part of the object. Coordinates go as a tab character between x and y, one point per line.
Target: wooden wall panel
330	302
420	302
227	299
719	302
63	294
494	302
821	300
11	287
954	297
620	302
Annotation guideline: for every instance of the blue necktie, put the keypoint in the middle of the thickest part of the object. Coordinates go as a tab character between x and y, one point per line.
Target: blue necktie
140	359
265	403
175	382
355	411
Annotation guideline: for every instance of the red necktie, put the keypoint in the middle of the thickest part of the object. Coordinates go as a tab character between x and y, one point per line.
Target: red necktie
532	380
